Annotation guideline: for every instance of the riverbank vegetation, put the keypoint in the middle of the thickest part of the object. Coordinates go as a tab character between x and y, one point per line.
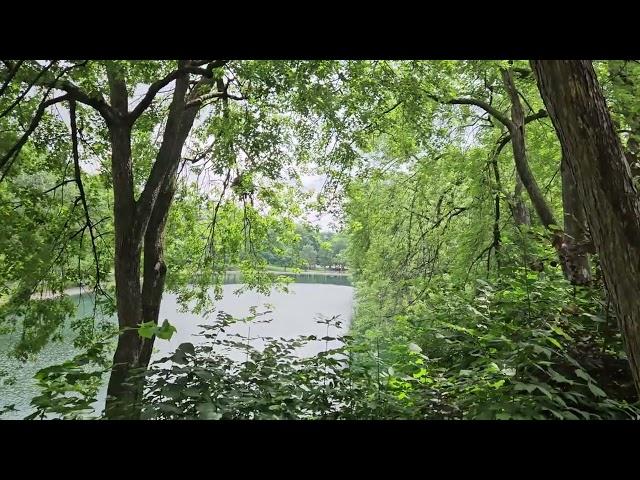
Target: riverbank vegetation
487	212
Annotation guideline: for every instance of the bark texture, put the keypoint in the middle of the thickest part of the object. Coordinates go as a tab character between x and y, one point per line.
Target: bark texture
516	129
576	242
139	227
596	159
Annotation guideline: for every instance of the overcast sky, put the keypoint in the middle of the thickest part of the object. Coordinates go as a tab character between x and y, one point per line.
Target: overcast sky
311	182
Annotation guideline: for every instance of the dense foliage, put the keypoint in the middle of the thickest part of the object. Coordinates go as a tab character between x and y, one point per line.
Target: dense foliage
456	220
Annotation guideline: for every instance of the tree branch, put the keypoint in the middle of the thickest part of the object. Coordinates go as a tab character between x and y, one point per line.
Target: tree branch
498	115
96	101
520	155
12	72
151	93
179	122
64	182
192	67
27	90
83	198
7	159
507	138
203	98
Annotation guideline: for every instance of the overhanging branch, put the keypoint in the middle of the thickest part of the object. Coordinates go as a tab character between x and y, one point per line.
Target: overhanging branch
193	67
497	114
8	158
83	198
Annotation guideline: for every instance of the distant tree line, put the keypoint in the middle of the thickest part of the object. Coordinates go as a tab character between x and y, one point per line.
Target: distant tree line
313	249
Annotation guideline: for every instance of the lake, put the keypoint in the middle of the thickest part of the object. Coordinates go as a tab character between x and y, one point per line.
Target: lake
311	298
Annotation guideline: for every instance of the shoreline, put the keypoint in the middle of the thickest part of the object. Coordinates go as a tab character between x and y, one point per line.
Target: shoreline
82	290
304	272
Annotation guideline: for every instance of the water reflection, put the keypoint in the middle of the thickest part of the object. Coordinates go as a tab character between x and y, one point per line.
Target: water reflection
311	297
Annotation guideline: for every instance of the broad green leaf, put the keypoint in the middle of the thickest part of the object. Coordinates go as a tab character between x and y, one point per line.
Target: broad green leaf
597	391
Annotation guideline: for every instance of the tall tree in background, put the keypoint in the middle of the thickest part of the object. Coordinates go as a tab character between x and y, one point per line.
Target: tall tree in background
597	161
573	258
625	83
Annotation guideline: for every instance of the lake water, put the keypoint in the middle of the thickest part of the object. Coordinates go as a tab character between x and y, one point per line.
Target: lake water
312	297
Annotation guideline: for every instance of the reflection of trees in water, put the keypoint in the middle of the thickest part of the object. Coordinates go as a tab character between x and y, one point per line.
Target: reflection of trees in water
328	279
257	332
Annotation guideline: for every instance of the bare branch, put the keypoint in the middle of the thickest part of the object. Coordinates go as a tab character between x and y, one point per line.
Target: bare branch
83	198
64	182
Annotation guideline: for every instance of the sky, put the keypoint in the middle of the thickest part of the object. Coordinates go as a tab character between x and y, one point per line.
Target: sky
311	182
314	183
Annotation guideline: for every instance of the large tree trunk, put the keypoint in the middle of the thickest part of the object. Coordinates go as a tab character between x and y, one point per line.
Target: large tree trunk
130	219
574	247
596	159
127	273
145	224
155	268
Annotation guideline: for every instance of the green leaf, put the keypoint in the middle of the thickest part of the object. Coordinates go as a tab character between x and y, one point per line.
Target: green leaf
166	331
187	348
544	390
556	377
559	331
207	411
554	342
570	416
421	373
582	374
147	329
597	391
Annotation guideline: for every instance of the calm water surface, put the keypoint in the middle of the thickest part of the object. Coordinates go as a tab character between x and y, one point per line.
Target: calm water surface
311	298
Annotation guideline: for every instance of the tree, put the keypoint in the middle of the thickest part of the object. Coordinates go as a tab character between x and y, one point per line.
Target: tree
309	254
573	260
241	144
172	172
491	97
624	105
139	223
597	161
